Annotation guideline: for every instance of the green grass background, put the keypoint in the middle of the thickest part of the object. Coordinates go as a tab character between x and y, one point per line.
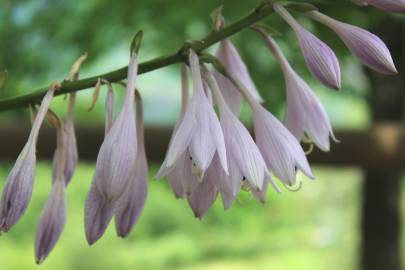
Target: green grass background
315	228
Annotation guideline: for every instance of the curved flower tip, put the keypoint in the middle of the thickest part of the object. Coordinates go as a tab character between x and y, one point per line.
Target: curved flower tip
98	213
367	47
204	195
280	149
52	222
18	190
394	6
234	64
320	59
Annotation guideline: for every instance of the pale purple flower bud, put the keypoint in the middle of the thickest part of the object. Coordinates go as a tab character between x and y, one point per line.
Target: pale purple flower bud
200	131
70	144
53	216
52	222
230	58
131	203
281	150
305	113
117	155
320	59
367	47
18	190
395	6
205	193
98	213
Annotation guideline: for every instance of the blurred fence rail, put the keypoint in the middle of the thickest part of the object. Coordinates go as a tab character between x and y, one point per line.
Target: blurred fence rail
381	146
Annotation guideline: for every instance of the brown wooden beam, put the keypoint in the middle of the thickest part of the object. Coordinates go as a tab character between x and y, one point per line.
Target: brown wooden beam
381	146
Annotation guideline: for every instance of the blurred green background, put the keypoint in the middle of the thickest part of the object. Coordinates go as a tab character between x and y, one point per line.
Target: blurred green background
315	228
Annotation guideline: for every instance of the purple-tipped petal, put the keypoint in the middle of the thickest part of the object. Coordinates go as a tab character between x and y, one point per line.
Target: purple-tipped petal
367	47
51	223
320	59
98	213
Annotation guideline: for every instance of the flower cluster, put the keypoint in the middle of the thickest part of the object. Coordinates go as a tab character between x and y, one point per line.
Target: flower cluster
211	152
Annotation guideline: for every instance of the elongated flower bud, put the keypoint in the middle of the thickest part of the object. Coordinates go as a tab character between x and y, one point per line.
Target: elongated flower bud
395	6
367	47
52	222
117	155
70	148
231	59
53	216
18	190
320	59
131	203
305	113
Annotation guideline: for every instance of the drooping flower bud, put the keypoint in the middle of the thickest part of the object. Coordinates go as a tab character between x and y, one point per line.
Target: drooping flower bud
367	47
53	216
305	113
18	190
230	58
131	203
320	59
117	155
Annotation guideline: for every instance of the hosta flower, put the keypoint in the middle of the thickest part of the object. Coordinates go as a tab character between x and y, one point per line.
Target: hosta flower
244	158
280	149
320	59
180	176
369	48
131	203
305	113
116	161
18	190
397	6
199	132
53	217
231	59
117	155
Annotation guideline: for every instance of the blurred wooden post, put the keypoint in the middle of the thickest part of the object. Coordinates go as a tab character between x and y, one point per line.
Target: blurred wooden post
380	247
